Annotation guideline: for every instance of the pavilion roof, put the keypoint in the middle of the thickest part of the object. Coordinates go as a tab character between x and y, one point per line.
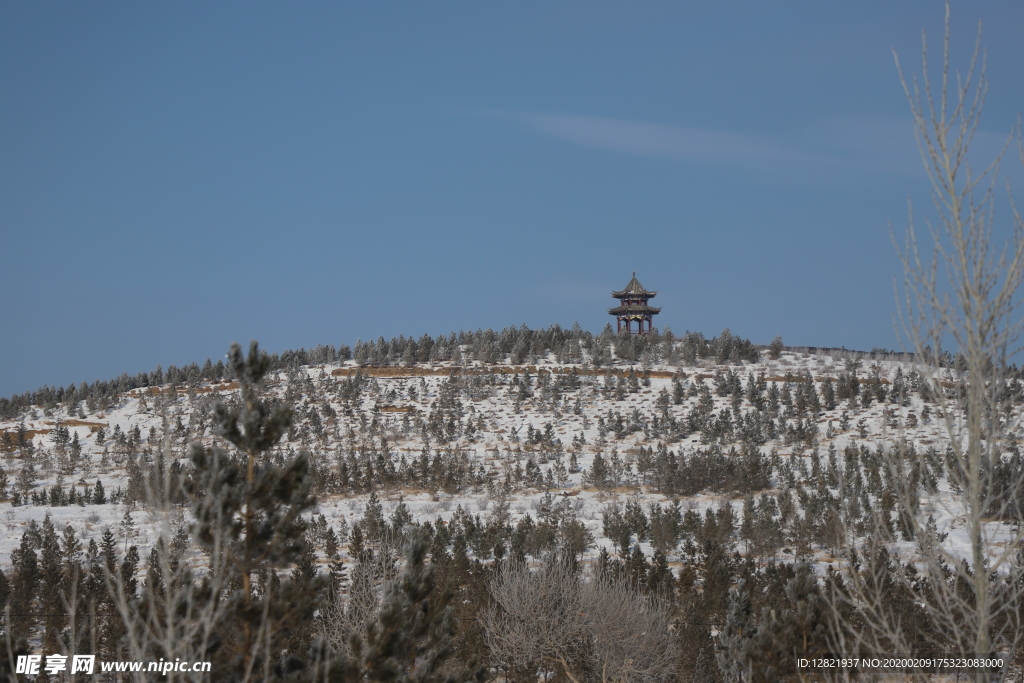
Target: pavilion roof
634	288
636	309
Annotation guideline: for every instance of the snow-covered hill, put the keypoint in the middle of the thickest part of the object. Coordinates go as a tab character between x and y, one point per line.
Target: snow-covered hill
495	442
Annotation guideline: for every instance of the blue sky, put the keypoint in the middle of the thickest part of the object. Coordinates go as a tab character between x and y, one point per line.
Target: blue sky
178	176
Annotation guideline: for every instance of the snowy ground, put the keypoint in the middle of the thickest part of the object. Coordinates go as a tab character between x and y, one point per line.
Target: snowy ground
166	419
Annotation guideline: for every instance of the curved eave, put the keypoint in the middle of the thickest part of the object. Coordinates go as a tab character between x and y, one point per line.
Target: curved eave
634	310
625	294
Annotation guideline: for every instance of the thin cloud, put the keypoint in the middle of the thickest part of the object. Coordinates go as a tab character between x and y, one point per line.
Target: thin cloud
828	152
658	140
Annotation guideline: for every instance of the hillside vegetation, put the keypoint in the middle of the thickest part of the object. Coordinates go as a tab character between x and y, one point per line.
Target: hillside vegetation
645	474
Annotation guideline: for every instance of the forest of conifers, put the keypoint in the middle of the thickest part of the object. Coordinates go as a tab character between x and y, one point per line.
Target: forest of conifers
512	505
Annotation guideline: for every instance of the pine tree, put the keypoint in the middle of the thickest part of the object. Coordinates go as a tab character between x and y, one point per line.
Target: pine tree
129	566
802	629
73	592
598	475
127	527
251	512
401	518
704	670
109	625
828	394
24	587
356	544
734	656
411	638
50	603
304	581
338	575
71	547
108	549
330	543
26	477
373	518
90	563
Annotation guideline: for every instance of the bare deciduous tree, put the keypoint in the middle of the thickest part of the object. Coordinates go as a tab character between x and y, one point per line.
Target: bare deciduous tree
537	618
630	632
960	289
554	618
343	615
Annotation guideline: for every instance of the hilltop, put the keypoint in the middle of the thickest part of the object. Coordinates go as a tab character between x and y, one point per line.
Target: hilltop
463	423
